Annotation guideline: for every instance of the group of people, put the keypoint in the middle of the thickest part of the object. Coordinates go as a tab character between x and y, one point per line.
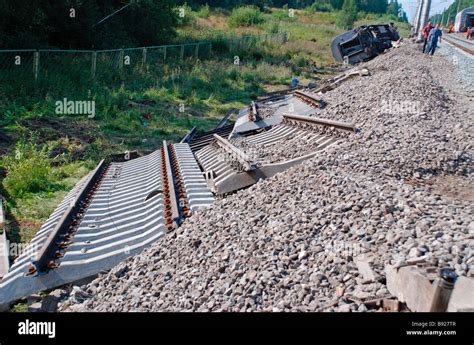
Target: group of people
431	36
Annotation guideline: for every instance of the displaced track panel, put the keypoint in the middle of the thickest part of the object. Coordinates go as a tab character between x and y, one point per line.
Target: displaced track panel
228	168
199	141
111	214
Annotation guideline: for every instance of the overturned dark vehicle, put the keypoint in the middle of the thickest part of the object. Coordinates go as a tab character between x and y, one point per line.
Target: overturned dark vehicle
363	43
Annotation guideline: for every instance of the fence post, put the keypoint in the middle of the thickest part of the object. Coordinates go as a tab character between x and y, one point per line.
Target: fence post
164	55
210	48
196	52
36	64
121	59
144	56
94	64
182	52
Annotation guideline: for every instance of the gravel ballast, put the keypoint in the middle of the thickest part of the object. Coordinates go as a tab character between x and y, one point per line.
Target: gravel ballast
400	189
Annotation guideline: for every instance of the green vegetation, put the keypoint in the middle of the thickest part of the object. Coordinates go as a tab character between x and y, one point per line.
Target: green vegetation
36	182
82	24
348	14
245	16
20	307
185	15
449	14
203	12
29	170
361	7
321	6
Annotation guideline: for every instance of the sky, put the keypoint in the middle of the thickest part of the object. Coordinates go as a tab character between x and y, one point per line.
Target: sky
437	6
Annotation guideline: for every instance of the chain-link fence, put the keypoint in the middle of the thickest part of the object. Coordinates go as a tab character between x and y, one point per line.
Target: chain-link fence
79	67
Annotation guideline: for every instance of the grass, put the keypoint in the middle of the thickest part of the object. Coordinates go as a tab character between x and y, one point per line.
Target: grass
22	305
26	214
35	184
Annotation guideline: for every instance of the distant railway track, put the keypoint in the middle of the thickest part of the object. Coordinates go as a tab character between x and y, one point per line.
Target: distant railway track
452	41
460	39
198	141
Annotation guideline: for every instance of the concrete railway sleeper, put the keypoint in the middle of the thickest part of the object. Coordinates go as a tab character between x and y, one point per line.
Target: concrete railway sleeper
315	121
62	235
223	176
309	99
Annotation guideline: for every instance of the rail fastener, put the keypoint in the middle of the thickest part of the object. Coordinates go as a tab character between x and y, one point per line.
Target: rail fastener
171	204
253	112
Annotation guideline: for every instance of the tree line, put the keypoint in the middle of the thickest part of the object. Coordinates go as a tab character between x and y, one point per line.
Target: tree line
107	24
369	6
76	24
448	15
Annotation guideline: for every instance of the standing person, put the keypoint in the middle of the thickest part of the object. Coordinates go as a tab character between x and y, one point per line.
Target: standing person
426	32
433	37
469	33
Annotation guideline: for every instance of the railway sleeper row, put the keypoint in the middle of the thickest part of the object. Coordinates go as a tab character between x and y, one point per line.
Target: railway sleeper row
126	204
218	160
113	213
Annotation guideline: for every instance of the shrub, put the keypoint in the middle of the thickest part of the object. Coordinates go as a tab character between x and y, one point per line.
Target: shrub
246	16
274	28
283	16
348	15
370	16
203	12
94	151
28	170
185	15
299	60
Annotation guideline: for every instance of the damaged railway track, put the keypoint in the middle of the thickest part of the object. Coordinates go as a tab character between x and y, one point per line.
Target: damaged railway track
113	213
129	201
229	168
344	231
